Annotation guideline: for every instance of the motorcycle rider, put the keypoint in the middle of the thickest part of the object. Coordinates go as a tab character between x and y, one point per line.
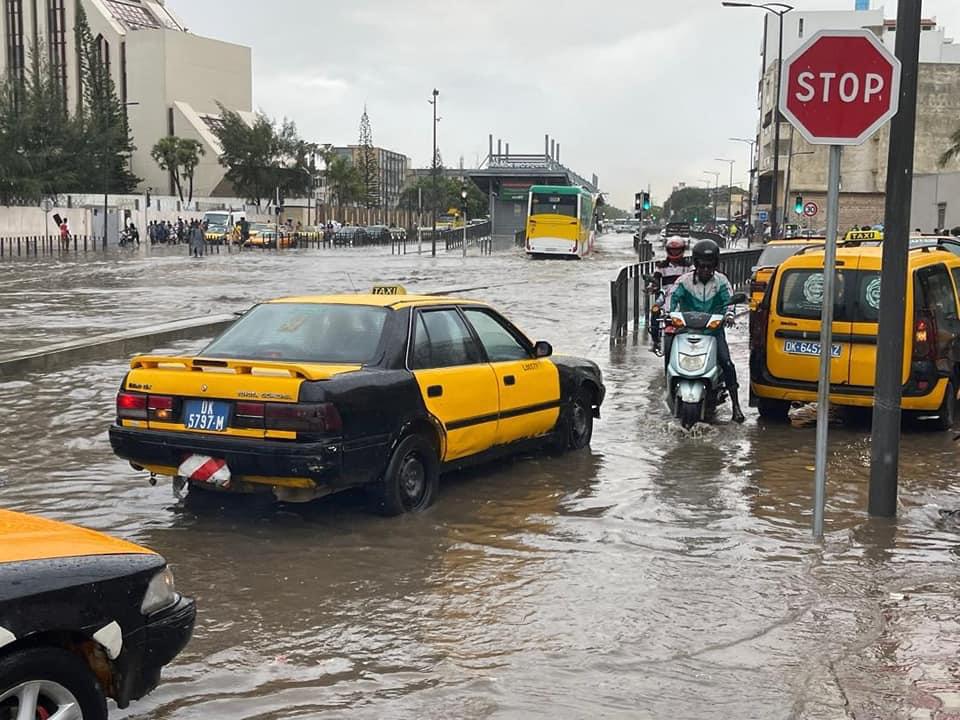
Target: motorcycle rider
667	272
708	291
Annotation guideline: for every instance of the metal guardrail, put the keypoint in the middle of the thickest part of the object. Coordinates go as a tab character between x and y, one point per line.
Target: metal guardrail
630	302
450	239
37	245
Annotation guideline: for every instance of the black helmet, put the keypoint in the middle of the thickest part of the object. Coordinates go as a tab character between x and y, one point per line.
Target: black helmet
706	252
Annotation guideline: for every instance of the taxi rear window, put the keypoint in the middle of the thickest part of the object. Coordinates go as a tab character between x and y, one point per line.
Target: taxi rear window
307	332
857	296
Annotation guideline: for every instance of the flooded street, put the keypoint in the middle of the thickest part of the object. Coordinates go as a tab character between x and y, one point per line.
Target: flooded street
659	574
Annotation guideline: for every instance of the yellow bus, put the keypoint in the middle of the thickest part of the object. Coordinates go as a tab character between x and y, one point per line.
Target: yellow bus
560	221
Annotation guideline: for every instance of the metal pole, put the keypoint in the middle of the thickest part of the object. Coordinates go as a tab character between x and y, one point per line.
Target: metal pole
464	229
885	445
826	339
730	196
419	221
433	203
774	210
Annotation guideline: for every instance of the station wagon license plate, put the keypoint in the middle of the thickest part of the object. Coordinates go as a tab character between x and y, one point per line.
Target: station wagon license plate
208	415
805	347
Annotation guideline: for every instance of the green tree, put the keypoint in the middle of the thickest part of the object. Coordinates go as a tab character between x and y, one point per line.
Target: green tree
953	150
106	142
343	180
367	164
261	157
688	204
179	157
446	194
39	141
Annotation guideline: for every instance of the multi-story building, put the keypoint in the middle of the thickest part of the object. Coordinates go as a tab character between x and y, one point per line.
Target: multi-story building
169	79
394	168
803	167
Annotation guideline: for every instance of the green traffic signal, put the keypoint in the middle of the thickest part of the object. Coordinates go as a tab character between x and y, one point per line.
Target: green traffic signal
798	205
646	201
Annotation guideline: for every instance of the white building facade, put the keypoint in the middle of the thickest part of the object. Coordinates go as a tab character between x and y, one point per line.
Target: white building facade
170	79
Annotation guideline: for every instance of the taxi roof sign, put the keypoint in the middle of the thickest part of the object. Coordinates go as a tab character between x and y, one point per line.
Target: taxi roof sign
864	235
389	290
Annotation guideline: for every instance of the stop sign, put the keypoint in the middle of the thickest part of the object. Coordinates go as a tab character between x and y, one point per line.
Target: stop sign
840	87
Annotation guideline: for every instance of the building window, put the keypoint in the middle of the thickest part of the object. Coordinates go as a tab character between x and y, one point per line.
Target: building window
132	14
800	31
15	52
57	42
103	53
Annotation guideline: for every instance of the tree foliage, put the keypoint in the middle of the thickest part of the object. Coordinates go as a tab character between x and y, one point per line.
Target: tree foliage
688	204
46	151
953	150
443	194
367	164
264	157
179	157
343	179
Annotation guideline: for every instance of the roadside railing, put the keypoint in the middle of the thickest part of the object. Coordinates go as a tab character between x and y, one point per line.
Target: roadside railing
630	302
37	245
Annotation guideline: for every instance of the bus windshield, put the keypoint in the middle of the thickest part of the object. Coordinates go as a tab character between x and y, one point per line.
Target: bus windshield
547	204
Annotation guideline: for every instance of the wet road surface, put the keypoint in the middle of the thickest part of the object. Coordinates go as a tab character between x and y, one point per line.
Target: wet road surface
660	574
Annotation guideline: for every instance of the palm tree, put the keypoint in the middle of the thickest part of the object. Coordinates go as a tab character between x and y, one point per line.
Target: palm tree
953	151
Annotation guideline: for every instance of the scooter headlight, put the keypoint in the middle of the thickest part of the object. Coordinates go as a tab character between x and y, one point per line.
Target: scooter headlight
692	363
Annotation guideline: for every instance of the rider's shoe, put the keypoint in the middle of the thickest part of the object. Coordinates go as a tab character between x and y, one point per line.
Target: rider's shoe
738	416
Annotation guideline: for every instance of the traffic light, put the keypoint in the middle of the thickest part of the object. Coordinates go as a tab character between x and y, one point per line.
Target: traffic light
638	202
798	205
646	201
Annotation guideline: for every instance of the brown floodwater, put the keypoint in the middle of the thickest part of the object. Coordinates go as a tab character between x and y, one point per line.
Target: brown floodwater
659	574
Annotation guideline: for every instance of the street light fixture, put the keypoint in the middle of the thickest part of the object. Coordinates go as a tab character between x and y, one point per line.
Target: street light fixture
729	189
778	9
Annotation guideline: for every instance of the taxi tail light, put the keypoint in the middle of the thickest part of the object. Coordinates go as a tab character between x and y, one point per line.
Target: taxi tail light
925	338
161	407
131	406
303	417
249	415
758	287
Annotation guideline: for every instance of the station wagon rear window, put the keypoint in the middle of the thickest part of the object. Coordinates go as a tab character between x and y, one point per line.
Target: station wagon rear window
547	204
773	255
307	332
857	296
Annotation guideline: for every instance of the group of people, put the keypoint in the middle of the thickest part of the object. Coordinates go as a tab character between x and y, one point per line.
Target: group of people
694	284
166	232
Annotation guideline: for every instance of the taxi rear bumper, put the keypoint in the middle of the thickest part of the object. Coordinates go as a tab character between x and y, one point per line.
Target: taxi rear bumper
319	461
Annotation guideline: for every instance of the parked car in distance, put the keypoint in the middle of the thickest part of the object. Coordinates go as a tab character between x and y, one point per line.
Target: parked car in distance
264	235
83	617
350	236
378	235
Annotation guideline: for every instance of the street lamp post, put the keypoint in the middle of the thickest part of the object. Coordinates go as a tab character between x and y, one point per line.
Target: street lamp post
753	171
729	189
433	173
716	191
463	203
778	9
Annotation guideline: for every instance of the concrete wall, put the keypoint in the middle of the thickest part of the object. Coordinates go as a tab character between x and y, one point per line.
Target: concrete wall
930	193
855	209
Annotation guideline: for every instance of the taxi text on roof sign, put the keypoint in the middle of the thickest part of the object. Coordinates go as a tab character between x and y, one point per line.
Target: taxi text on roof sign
389	290
864	235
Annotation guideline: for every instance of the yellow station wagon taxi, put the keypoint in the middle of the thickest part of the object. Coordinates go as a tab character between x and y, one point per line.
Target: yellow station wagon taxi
305	396
785	346
83	617
774	253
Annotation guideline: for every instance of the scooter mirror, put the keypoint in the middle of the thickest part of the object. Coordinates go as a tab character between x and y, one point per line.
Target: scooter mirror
738	299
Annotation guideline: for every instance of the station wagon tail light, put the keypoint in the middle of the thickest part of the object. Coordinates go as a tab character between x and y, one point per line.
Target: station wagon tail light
925	338
131	406
758	286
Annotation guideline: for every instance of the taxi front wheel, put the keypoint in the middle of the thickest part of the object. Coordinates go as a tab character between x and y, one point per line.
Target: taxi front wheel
49	682
411	480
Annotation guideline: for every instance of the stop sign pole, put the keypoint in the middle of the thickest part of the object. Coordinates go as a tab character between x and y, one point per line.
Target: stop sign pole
841	87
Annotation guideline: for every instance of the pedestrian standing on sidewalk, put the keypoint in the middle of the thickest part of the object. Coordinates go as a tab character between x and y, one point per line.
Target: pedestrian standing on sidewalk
65	233
197	241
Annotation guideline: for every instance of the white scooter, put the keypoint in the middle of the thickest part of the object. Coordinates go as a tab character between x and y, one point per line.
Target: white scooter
695	386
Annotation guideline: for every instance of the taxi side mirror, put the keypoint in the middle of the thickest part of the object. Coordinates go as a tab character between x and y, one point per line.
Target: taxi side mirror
542	349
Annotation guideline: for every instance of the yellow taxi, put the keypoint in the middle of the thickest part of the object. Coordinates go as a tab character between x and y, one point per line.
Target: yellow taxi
306	396
774	253
784	358
83	617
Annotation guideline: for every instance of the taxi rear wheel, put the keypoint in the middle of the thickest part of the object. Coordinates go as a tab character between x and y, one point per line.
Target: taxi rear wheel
411	480
580	429
49	682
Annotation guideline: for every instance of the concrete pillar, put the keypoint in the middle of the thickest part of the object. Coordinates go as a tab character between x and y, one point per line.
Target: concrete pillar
490	153
499	147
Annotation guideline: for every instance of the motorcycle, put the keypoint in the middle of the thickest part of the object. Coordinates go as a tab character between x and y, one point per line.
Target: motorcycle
695	387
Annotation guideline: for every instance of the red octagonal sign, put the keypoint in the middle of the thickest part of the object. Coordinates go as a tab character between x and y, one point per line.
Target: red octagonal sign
840	87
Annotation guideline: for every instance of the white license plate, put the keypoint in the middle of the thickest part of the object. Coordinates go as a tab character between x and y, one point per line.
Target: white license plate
805	347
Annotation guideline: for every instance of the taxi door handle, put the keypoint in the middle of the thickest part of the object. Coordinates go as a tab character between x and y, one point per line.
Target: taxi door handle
509	380
435	391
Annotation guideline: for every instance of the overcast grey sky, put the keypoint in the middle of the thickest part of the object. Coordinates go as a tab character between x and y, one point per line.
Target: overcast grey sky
637	91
